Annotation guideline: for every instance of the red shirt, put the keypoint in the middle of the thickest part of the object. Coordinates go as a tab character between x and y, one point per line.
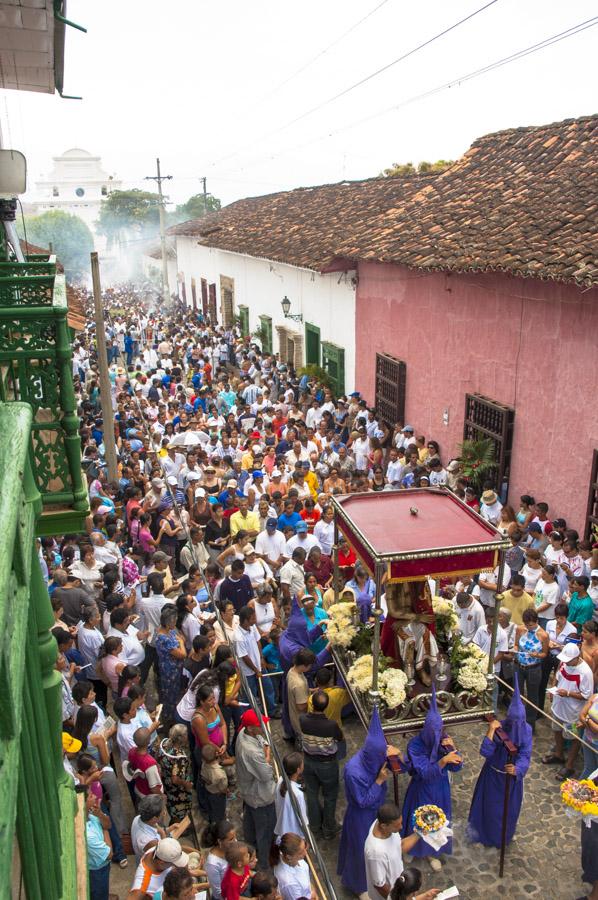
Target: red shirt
311	518
232	884
147	766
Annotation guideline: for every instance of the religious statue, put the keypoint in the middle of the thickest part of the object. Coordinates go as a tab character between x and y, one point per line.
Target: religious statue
409	629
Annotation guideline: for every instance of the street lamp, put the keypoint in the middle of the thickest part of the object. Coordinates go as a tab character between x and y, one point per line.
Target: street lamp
286	305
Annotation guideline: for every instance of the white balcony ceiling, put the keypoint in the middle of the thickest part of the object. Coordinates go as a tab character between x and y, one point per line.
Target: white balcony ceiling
27	47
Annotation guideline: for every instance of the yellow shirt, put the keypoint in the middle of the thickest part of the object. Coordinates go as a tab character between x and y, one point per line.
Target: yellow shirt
517	605
311	480
337	699
250	522
248	462
423	454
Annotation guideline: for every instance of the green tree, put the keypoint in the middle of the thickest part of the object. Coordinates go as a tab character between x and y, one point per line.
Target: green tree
424	168
124	212
194	208
71	239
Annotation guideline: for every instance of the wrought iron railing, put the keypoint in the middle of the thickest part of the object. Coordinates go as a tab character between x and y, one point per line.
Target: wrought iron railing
38	800
36	368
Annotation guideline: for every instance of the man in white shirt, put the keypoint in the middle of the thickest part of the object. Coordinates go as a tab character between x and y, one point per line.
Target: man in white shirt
133	652
384	848
361	448
302	539
470	614
271	545
292	577
394	468
488	583
574	686
438	474
152	605
248	651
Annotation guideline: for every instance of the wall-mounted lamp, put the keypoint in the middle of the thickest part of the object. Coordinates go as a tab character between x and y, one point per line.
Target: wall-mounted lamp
286	305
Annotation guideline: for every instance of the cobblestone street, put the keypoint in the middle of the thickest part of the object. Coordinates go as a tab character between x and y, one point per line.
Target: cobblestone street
542	861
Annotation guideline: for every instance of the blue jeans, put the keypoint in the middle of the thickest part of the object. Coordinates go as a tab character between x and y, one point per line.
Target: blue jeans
590	758
99	883
268	692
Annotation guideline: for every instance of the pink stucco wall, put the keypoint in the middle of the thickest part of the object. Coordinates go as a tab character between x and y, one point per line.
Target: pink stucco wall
528	344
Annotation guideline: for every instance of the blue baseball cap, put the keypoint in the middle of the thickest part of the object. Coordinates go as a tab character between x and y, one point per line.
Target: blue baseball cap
271	523
257	474
301	527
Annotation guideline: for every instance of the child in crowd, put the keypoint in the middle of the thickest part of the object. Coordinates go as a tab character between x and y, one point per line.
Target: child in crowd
236	881
216	781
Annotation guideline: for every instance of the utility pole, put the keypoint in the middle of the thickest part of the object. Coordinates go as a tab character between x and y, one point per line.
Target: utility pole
159	179
105	394
205	196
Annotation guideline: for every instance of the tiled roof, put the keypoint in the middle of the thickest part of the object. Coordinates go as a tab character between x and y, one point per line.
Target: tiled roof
523	201
303	227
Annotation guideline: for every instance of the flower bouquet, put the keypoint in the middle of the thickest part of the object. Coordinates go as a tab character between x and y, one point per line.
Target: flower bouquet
581	796
431	824
469	666
342	627
391	682
447	621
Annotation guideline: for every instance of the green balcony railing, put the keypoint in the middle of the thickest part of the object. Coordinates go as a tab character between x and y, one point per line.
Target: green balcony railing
39	815
36	368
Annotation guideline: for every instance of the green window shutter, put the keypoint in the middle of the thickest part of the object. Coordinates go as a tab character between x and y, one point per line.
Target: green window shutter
312	345
266	329
333	361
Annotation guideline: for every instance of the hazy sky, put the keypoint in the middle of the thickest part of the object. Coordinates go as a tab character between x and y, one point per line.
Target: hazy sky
201	84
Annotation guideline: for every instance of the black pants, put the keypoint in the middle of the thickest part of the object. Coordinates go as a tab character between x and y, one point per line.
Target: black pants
529	685
321	775
258	829
549	664
216	806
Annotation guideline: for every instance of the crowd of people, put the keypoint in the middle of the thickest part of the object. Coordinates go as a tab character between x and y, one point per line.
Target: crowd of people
199	593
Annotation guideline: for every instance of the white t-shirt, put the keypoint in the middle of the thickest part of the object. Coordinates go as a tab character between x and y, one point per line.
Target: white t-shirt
470	619
486	597
572	678
482	640
286	819
383	861
306	542
532	576
546	593
293	881
246	644
324	533
272	546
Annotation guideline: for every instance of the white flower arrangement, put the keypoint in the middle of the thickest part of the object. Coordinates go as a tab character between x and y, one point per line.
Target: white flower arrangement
391	682
472	674
445	610
341	627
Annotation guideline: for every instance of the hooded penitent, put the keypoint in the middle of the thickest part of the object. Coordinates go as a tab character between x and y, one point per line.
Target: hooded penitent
296	636
364	797
487	805
429	780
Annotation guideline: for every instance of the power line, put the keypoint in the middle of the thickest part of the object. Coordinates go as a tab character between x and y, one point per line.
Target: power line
455	82
362	81
326	50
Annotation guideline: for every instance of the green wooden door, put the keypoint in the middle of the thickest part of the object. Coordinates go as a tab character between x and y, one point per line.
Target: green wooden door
333	361
266	327
244	320
312	345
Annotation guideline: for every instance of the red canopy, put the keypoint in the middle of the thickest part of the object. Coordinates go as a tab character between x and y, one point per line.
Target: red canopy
417	533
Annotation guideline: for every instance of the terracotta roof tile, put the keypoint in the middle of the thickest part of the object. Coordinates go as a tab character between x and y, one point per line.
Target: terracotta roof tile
521	201
305	226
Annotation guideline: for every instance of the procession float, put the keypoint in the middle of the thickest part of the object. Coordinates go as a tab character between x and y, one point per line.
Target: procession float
410	541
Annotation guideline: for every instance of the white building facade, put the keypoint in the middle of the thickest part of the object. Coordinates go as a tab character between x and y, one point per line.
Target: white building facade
225	286
78	185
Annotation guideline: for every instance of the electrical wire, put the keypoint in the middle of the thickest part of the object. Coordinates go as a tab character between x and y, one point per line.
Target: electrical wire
326	50
357	84
455	82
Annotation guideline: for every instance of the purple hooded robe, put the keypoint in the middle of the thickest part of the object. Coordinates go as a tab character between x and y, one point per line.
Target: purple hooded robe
364	797
429	781
295	637
485	815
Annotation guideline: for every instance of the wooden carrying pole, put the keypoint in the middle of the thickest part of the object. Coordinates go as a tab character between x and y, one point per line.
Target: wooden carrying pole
105	392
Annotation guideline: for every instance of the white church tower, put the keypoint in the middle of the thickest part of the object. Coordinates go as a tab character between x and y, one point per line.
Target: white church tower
77	184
